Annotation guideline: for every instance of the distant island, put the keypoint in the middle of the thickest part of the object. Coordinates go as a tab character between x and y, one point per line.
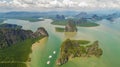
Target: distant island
81	21
27	16
75	48
30	19
60	18
69	27
71	24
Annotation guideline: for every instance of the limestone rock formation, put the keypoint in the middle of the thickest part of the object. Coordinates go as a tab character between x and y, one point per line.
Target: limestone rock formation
72	48
41	31
12	34
70	27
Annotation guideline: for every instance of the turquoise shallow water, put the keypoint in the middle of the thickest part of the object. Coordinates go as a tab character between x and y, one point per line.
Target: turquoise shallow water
108	35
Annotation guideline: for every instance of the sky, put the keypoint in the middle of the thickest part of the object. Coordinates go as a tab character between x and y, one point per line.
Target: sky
44	5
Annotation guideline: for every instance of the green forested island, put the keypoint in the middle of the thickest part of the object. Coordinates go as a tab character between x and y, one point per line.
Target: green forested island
16	43
77	22
30	19
69	27
74	48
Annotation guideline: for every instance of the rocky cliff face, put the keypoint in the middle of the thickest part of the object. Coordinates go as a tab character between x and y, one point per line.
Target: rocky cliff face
11	36
94	49
70	49
70	27
12	26
41	31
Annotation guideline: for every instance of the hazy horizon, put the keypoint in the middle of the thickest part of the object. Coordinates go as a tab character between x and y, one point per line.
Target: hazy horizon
58	5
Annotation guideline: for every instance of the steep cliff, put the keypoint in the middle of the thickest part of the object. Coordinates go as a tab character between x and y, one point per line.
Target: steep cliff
12	26
10	35
41	31
73	48
70	27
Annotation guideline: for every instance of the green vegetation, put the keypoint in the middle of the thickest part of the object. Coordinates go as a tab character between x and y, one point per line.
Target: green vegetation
73	48
10	26
88	24
81	42
58	29
19	52
59	22
78	23
30	19
12	65
16	44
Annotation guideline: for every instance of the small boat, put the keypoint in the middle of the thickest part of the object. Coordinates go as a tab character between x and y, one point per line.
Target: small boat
48	62
50	56
54	52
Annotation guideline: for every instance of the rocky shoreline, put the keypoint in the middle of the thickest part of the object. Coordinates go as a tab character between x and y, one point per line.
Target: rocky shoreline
72	49
11	34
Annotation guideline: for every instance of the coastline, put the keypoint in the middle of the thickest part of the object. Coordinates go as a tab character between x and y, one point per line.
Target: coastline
36	45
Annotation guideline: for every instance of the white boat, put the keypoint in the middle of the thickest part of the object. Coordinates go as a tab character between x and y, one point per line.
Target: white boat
48	62
50	56
54	52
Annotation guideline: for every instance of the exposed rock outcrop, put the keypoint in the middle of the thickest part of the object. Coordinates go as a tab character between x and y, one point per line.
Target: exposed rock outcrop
72	48
70	27
94	49
11	35
12	26
41	31
60	17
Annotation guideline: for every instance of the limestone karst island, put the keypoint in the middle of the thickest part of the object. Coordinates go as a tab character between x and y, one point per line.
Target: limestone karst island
59	33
